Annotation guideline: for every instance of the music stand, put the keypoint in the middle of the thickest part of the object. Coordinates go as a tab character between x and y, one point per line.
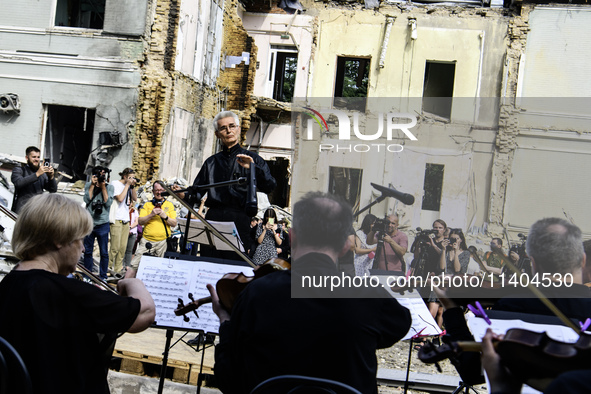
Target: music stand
197	231
211	228
175	276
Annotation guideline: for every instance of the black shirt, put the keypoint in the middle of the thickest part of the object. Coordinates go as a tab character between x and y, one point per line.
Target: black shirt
270	333
222	167
54	323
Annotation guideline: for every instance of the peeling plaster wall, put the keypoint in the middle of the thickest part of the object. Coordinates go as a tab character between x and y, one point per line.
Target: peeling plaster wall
175	133
266	30
67	67
545	130
475	39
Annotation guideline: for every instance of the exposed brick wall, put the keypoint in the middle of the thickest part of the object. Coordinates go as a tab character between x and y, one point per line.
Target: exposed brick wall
239	81
162	88
156	90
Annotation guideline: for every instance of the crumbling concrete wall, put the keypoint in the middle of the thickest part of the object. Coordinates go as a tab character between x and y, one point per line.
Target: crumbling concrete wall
505	143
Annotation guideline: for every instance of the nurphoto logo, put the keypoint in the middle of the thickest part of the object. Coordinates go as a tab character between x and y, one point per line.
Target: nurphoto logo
392	123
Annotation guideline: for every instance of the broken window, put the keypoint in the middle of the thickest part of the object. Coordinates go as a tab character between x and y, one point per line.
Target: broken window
432	187
282	72
279	168
351	83
438	88
68	139
346	182
89	14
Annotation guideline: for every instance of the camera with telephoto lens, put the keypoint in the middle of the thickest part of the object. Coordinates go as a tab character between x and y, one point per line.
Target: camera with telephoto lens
422	239
519	248
381	225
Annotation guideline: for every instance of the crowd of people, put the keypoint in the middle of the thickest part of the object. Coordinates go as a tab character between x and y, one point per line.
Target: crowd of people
48	311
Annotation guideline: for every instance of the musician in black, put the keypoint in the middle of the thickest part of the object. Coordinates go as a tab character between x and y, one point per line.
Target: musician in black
227	203
270	333
554	246
63	328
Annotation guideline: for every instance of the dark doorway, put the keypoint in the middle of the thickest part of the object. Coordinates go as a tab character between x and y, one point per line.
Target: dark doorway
438	88
68	139
88	14
280	171
285	74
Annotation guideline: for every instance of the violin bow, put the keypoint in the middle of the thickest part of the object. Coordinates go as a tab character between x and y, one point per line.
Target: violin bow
557	312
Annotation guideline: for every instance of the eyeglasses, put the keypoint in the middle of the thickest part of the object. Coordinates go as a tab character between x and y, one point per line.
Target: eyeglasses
230	127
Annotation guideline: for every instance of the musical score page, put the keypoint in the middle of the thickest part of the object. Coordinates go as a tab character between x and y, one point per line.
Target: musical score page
167	280
422	321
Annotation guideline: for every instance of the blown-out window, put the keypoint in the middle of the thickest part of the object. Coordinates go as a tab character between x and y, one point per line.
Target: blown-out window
351	83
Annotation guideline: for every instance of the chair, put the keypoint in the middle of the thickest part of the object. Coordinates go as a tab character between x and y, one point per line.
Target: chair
14	376
296	384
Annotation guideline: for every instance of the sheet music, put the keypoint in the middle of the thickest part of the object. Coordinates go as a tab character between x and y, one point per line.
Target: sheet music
198	233
421	317
478	328
169	279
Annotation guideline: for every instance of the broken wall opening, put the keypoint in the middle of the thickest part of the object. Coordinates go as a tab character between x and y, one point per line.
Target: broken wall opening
438	88
346	182
68	139
280	171
88	14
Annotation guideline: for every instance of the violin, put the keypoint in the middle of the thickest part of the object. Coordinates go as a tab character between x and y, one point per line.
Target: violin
230	286
533	357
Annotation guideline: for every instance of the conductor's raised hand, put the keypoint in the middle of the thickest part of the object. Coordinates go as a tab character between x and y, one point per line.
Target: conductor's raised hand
244	160
217	307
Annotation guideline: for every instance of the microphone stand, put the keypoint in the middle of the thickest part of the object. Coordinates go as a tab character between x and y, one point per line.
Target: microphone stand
378	200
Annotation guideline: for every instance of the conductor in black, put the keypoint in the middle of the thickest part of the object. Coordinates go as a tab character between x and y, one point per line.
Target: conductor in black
228	203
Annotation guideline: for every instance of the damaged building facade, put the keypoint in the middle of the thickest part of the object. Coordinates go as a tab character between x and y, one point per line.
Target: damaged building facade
500	105
121	84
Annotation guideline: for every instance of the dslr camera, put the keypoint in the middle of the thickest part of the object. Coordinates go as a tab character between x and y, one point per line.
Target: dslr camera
102	177
157	203
97	207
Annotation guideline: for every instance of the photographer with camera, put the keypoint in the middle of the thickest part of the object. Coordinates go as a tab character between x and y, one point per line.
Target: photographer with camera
456	257
519	257
125	196
157	217
427	249
98	196
31	179
392	244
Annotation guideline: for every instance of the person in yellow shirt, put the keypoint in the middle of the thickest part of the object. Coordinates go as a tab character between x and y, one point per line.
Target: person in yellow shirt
157	217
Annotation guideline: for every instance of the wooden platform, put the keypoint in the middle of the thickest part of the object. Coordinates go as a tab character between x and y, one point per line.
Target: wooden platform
142	353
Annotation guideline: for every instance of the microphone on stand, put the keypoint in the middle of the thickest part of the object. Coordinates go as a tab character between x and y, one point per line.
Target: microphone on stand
405	198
